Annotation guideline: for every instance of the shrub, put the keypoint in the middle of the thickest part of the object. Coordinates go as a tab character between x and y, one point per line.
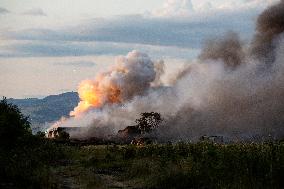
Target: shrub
13	125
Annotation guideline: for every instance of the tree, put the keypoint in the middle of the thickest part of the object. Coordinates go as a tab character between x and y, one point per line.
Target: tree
13	124
148	121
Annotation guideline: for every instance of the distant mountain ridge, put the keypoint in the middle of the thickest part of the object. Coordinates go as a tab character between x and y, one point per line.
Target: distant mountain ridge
48	109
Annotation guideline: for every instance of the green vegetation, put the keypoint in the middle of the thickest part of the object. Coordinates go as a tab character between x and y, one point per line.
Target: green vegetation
25	160
14	126
148	121
201	165
28	161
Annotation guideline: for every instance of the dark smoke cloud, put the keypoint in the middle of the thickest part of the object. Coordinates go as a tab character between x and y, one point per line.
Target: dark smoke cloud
242	104
227	49
270	24
239	105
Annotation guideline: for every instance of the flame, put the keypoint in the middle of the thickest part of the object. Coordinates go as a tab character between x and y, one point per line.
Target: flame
126	78
93	95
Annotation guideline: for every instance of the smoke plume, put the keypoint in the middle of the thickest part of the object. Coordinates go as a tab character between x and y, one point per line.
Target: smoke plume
270	25
228	49
224	92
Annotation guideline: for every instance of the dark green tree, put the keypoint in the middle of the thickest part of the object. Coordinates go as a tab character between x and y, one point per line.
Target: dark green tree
13	124
148	121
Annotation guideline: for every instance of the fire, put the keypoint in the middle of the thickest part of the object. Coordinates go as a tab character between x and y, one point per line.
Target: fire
89	94
94	95
128	77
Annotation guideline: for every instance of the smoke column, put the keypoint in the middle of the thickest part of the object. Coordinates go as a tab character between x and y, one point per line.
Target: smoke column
227	91
269	27
228	49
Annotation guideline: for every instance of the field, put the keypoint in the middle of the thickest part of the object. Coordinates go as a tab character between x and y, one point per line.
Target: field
180	165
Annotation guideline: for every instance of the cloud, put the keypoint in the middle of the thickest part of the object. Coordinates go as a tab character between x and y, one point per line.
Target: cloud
187	8
76	63
187	33
3	10
35	12
175	8
60	48
33	48
175	35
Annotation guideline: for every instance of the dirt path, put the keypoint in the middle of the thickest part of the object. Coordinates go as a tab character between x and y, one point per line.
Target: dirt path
75	176
66	177
111	182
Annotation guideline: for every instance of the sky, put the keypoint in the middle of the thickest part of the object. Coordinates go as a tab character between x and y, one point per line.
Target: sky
48	47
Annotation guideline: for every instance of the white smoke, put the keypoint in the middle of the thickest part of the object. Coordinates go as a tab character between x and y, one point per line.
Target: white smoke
208	100
229	92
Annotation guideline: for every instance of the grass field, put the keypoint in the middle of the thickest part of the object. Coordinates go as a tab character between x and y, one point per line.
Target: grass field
201	165
181	165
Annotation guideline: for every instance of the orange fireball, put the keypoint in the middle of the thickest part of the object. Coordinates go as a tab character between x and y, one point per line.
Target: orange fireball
94	96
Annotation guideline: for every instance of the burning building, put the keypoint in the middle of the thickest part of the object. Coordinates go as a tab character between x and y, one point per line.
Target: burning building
57	132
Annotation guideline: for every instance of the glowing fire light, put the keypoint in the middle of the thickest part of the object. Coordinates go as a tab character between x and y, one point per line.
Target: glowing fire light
129	76
92	95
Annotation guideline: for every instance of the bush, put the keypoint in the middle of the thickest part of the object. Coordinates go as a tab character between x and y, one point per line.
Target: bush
13	125
25	160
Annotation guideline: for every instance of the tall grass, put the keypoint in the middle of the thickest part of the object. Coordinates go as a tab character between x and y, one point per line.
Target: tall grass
35	164
201	165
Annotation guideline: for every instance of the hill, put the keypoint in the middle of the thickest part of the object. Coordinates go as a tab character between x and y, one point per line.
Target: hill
48	109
